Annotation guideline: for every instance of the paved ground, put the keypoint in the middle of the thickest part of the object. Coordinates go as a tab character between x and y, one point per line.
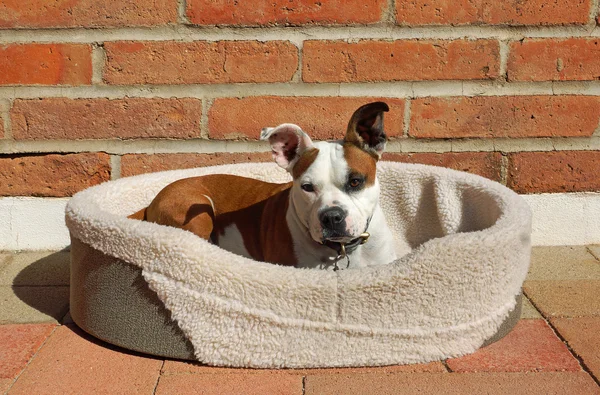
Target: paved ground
555	348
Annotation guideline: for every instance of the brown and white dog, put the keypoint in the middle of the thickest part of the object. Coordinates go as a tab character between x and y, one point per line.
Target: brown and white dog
319	220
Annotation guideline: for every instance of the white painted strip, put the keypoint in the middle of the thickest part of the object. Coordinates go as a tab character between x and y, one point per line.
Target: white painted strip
565	218
33	224
558	219
296	34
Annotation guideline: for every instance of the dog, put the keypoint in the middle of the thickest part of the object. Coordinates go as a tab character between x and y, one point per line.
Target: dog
328	217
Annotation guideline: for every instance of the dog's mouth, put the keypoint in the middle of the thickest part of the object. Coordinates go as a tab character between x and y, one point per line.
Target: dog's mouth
336	236
346	244
338	239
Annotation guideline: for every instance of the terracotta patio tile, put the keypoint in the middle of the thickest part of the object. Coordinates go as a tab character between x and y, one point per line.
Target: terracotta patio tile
583	336
73	362
5	385
4	257
33	304
185	367
36	268
431	367
569	298
453	383
178	367
528	311
19	344
530	347
563	263
239	384
595	250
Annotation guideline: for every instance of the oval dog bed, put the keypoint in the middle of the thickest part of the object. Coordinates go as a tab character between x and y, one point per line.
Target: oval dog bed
464	248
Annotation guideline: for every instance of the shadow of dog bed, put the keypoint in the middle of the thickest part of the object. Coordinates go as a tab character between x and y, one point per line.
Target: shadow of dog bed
464	247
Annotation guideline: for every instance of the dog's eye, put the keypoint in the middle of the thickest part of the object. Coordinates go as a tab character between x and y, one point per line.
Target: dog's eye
307	187
355	182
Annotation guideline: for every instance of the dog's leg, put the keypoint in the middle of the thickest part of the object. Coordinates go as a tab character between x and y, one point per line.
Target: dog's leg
200	218
185	204
140	215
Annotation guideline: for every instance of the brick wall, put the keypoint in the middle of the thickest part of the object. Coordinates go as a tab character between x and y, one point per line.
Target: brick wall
92	90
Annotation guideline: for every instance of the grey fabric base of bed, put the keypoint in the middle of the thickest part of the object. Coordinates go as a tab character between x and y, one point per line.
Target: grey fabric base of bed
111	301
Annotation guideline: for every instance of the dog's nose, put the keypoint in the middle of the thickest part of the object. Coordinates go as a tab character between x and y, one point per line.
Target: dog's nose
332	218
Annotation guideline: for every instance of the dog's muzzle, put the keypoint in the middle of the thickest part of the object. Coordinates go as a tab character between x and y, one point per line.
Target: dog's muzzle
333	222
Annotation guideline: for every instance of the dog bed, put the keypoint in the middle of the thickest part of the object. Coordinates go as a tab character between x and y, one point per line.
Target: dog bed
463	244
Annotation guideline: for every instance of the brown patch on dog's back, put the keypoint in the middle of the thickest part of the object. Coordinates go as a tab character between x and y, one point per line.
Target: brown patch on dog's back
361	162
306	159
207	205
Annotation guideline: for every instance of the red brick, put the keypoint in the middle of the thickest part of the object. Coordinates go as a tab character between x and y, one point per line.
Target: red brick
583	336
241	384
530	347
504	116
129	118
402	60
71	362
559	171
199	62
285	12
508	12
554	60
52	175
86	13
19	344
45	64
565	298
133	164
486	164
452	383
321	117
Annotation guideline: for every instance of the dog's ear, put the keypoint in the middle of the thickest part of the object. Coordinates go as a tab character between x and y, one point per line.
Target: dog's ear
365	128
288	142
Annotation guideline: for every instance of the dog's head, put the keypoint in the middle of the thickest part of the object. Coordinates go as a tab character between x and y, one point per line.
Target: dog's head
335	189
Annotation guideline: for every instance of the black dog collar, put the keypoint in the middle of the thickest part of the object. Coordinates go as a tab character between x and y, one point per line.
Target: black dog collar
343	249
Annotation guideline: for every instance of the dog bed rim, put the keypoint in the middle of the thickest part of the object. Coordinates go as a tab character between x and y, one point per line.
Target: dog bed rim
234	305
79	203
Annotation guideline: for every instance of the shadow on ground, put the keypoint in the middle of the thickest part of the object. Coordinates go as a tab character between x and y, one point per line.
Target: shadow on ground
44	284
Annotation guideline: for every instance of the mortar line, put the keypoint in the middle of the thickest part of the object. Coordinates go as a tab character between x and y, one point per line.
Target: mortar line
119	147
597	131
407	114
402	89
115	167
98	62
5	106
204	131
182	12
504	165
185	32
504	53
297	77
594	11
390	16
